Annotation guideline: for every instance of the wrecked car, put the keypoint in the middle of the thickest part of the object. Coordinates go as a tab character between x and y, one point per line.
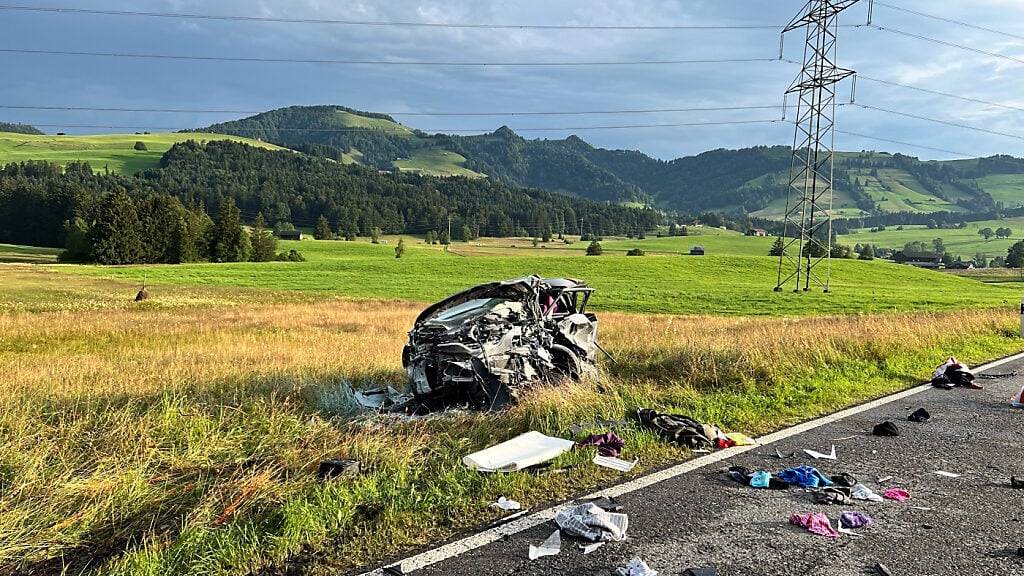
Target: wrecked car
480	347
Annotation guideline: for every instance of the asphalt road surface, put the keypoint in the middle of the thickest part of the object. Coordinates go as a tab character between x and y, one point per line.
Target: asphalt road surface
956	526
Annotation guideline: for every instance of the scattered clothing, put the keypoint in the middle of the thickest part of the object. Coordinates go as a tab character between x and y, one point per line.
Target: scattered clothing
855	520
506	504
782	457
588	548
683	430
608	444
606	503
845	480
862	492
832	495
947	474
636	567
760	479
590	522
815	523
1017	401
805	477
886	429
881	570
819	456
897	494
740	439
550	547
952	373
920	415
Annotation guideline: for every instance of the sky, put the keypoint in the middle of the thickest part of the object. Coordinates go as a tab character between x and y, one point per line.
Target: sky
86	81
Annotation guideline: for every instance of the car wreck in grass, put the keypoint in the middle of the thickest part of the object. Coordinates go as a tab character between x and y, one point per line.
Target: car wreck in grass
480	347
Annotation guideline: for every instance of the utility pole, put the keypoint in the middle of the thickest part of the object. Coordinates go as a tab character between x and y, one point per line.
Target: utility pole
809	204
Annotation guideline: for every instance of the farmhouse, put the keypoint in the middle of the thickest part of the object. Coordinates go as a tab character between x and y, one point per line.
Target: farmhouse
923	259
288	234
760	232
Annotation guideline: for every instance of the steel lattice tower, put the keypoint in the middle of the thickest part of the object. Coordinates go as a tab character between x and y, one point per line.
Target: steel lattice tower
807	231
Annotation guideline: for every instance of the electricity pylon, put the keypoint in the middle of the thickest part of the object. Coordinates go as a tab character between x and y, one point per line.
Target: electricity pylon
807	230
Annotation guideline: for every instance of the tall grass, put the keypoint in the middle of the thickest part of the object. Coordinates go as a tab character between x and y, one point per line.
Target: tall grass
183	437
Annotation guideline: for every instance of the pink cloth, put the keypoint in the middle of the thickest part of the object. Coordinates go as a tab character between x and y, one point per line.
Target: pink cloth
897	494
815	523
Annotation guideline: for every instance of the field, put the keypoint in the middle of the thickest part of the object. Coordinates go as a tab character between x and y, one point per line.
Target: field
182	434
28	254
1005	188
436	162
110	151
842	207
715	284
965	242
897	191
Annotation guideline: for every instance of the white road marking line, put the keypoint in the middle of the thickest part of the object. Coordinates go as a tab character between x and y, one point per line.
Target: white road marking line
486	537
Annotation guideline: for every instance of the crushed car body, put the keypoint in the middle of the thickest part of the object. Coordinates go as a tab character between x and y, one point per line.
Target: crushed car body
482	346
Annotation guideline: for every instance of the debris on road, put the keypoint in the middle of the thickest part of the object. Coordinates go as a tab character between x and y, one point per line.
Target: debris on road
819	456
946	474
608	444
1017	401
482	346
1017	483
881	570
920	415
844	479
897	494
523	451
335	468
741	439
636	567
815	523
805	476
551	546
382	399
884	479
855	520
886	428
700	572
862	492
506	504
783	457
832	495
588	548
758	479
606	503
615	463
952	373
592	523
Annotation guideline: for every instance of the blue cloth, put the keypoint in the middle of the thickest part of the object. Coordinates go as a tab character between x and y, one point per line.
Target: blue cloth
804	476
760	479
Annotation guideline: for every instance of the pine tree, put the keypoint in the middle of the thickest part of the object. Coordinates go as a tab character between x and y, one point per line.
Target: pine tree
227	239
778	248
264	244
77	247
323	229
375	235
116	236
400	248
467	233
443	238
594	249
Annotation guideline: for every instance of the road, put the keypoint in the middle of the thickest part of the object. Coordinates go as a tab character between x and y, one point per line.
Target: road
950	526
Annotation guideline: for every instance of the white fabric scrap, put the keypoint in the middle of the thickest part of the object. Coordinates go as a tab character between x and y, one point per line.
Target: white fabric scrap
591	522
848	532
521	452
588	548
506	504
550	547
637	567
820	456
947	474
862	492
615	463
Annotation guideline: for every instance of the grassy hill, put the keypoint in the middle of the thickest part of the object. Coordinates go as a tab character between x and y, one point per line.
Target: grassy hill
113	151
964	242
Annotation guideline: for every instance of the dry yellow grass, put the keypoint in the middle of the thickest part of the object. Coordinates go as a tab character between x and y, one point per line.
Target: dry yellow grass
187	429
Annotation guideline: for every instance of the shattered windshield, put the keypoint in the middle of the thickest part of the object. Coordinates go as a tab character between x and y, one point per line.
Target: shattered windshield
466	310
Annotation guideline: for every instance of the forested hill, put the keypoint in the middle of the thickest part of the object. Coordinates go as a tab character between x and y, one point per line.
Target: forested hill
746	181
36	198
20	128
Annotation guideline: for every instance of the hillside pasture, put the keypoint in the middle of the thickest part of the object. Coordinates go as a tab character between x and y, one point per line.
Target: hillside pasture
965	242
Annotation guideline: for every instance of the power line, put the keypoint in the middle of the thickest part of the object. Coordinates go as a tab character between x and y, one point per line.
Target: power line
436	130
950	20
938	93
936	120
236	18
948	43
378	62
902	143
510	113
